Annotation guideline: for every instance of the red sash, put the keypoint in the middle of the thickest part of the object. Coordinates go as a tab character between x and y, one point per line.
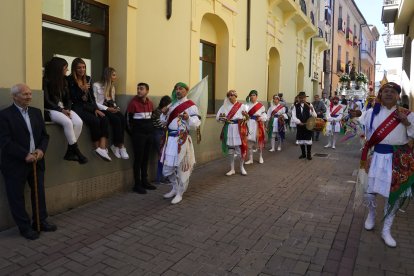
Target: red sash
233	110
336	110
276	110
255	109
179	109
381	132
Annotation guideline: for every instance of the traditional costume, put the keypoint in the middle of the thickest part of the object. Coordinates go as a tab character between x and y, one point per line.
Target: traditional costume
300	114
391	170
333	126
256	138
276	127
234	133
178	152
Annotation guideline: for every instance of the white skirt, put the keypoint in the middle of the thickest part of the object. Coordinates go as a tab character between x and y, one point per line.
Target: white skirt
380	174
233	135
252	130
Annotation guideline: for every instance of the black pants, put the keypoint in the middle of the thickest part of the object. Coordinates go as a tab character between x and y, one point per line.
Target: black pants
118	124
15	183
142	143
97	125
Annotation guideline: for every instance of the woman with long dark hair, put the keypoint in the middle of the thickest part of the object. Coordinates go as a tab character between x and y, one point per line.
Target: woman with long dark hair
104	92
85	105
58	106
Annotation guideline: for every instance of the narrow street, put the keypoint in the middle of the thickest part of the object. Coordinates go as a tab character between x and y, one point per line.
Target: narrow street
287	216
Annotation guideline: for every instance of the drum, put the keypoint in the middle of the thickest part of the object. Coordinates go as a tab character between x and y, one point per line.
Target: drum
315	124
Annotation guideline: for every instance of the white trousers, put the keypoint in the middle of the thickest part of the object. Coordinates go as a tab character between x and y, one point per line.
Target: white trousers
72	127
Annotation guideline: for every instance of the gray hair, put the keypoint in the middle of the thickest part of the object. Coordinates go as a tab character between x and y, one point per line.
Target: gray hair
16	89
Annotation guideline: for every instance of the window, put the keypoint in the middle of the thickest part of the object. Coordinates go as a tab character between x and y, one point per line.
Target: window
208	68
78	29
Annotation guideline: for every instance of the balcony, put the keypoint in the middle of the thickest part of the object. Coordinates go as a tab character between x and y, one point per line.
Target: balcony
349	37
394	45
320	41
341	25
389	10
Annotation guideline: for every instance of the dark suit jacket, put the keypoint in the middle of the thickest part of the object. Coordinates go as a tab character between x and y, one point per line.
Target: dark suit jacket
15	138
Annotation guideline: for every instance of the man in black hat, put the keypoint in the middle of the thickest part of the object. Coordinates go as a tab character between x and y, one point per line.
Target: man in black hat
301	112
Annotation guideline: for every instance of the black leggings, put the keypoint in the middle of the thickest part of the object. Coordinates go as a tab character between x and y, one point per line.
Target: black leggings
118	124
97	125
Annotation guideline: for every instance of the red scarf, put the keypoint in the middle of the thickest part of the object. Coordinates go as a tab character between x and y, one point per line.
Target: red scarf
276	110
255	109
179	109
233	110
336	110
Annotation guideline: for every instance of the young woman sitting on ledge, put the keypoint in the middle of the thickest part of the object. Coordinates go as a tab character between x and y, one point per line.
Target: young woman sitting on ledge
58	106
85	105
104	92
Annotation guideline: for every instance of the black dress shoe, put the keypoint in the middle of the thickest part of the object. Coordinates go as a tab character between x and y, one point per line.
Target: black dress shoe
302	156
149	186
29	234
46	227
139	190
309	157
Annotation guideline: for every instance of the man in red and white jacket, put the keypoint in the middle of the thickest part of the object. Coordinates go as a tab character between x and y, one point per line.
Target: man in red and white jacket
333	126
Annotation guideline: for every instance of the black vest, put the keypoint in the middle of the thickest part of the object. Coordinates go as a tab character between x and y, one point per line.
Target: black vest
303	117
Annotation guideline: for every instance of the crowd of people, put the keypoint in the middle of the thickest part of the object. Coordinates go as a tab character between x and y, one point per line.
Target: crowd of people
70	101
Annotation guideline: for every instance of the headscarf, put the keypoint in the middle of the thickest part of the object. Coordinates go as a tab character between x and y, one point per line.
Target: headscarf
252	92
173	94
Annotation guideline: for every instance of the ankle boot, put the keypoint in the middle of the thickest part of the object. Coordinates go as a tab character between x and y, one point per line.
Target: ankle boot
302	148
309	152
70	154
371	205
81	158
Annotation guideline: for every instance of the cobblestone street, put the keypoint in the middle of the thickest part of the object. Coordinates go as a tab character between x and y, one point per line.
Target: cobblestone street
288	216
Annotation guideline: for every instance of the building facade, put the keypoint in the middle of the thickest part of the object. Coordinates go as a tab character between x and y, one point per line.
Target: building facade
397	16
272	46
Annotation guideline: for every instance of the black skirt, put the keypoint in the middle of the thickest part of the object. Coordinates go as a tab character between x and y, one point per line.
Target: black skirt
302	133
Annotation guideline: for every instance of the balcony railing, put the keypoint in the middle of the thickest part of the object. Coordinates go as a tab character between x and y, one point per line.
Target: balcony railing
391	2
394	40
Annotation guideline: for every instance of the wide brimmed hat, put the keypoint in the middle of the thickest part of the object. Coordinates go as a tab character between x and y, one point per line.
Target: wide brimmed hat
302	94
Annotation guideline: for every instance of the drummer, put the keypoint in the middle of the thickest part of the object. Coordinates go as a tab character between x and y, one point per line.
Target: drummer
320	110
334	117
301	112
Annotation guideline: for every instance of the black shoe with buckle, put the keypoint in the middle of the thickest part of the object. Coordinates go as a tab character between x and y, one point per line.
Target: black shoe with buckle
45	227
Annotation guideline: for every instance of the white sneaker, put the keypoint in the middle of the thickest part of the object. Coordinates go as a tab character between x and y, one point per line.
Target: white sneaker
333	147
250	161
115	151
123	153
171	194
327	146
279	148
103	153
231	172
272	150
177	199
261	160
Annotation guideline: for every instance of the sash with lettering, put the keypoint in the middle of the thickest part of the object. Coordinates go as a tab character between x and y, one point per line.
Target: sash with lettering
260	134
270	125
402	157
224	132
336	110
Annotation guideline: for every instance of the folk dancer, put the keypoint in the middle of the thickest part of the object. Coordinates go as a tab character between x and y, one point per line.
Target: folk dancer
276	127
333	126
389	129
178	151
301	112
258	116
234	134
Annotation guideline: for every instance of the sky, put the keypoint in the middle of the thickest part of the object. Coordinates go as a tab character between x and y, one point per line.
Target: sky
372	9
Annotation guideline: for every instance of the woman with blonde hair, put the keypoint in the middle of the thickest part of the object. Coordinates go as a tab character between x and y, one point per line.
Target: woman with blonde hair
85	106
104	92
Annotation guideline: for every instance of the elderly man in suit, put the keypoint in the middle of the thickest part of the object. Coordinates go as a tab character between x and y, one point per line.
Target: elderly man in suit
23	143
